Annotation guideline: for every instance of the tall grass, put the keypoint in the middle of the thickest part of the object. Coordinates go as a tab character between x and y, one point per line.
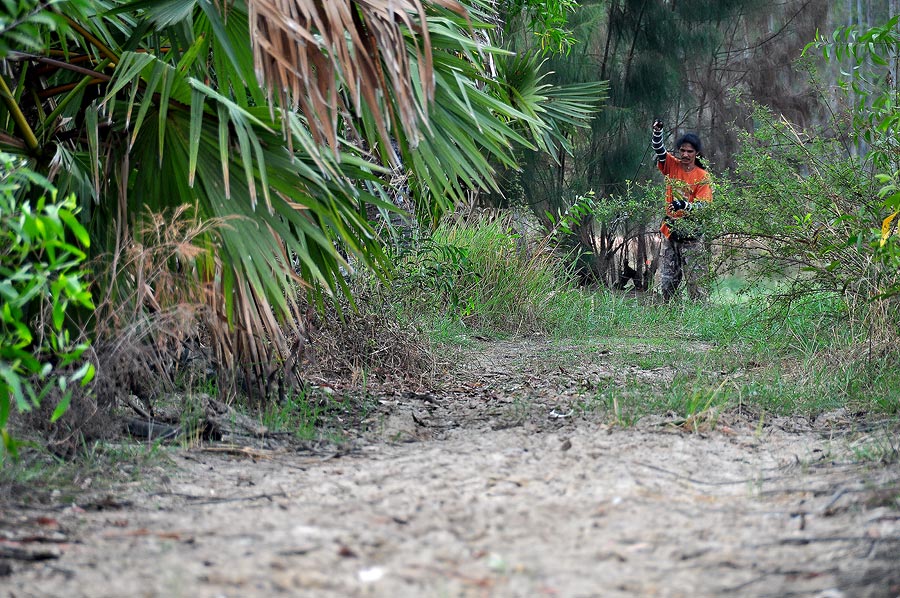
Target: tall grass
480	277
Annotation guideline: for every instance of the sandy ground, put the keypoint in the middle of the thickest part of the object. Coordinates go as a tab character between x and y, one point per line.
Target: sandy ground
478	492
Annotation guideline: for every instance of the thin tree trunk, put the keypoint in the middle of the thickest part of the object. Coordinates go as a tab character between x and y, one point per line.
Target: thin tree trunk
637	31
609	34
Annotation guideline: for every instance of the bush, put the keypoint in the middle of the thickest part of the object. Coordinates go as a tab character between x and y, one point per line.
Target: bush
616	236
40	279
802	213
484	276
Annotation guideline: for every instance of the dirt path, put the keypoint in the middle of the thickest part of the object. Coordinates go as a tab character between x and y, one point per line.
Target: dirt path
485	490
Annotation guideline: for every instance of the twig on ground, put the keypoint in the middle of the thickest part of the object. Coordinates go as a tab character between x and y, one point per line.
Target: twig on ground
243	451
21	554
675	474
215	501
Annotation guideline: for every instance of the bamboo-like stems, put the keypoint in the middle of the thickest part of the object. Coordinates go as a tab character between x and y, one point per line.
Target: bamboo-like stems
31	141
55	91
69	97
11	141
90	37
17	56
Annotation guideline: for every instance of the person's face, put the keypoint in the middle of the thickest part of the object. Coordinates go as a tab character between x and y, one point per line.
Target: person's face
688	154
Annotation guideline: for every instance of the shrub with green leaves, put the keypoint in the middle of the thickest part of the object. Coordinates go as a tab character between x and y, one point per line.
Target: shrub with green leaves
875	128
799	211
479	273
791	194
41	278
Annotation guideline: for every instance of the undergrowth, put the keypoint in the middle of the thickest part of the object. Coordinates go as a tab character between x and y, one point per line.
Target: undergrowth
743	350
746	348
482	277
40	477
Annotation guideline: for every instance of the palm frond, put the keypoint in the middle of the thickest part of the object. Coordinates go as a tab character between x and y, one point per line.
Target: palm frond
164	109
552	109
345	56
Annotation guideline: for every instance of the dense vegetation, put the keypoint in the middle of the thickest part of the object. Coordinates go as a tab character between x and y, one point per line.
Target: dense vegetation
432	186
219	206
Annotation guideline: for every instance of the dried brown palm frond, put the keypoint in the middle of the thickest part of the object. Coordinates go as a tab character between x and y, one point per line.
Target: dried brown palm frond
315	54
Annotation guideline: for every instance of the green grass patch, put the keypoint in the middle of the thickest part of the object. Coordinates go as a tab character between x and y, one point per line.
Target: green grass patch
298	414
803	359
38	477
316	414
746	347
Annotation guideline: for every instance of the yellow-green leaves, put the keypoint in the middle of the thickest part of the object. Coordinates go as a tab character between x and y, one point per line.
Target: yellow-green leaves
886	227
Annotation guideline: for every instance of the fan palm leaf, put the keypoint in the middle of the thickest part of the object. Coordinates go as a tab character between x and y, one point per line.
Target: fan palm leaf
554	110
156	104
155	127
345	56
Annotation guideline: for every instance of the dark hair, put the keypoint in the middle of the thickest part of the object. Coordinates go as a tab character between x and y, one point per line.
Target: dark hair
694	140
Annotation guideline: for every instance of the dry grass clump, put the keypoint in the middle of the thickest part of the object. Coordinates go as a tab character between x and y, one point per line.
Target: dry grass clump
151	306
162	325
368	341
149	325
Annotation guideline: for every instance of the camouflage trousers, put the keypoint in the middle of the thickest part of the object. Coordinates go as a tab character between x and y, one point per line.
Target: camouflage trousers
688	260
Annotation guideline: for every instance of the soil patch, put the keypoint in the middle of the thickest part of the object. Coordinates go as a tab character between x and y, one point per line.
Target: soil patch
494	484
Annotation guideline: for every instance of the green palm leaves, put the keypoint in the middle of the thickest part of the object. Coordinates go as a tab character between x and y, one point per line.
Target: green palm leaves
140	106
551	110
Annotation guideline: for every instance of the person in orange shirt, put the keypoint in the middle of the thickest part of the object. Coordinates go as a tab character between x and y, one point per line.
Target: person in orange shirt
682	254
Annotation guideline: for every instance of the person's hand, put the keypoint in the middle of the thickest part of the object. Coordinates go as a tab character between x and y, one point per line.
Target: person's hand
657	125
678	205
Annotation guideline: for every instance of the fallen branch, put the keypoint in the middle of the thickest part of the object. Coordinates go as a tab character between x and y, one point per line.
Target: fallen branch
18	553
244	451
215	501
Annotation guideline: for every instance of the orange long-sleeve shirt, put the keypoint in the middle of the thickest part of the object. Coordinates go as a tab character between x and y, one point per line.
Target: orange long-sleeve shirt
691	186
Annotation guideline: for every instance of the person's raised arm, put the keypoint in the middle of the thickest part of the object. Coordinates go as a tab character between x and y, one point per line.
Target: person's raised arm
657	141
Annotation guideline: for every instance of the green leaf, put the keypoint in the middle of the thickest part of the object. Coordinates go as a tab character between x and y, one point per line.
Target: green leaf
8	292
58	312
4	405
224	154
162	13
14	386
155	77
77	229
128	72
85	373
168	81
189	58
93	135
892	201
62	406
197	109
211	10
